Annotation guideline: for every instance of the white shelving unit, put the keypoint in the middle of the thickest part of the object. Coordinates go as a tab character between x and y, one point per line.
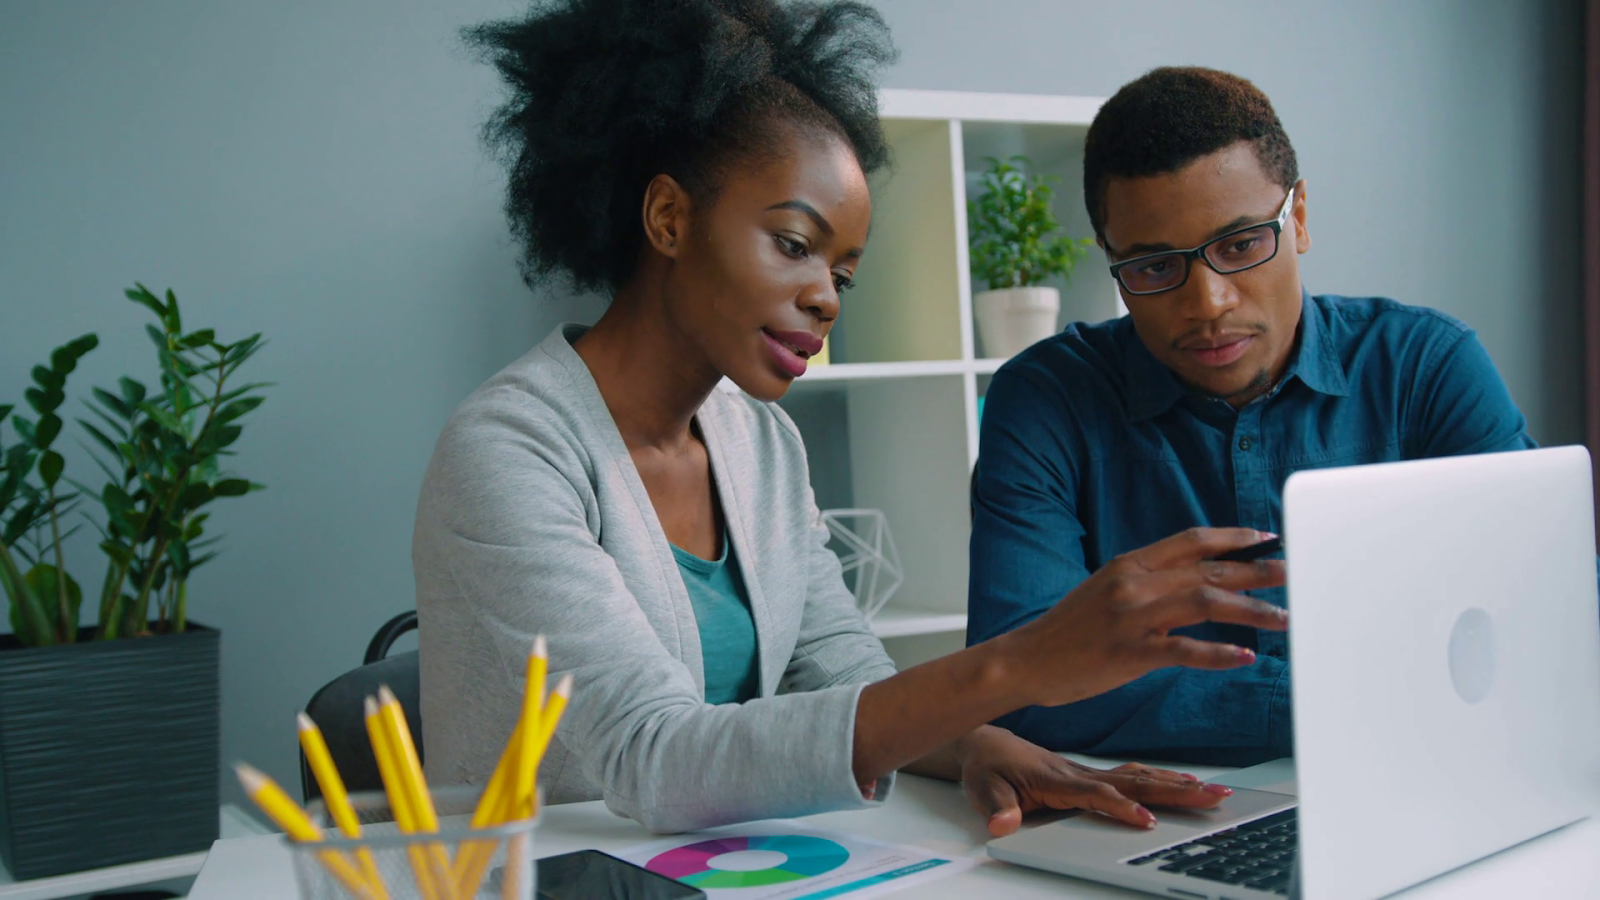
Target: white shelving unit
892	423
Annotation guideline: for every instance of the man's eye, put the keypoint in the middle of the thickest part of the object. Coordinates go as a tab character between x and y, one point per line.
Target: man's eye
790	246
1156	268
842	283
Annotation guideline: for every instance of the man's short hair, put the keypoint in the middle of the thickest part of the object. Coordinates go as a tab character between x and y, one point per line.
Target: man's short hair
1172	116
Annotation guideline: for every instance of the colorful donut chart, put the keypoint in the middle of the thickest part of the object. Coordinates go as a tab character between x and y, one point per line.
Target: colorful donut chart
807	856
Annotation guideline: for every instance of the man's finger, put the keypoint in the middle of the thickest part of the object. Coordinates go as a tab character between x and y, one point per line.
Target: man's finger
1194	545
996	800
1210	604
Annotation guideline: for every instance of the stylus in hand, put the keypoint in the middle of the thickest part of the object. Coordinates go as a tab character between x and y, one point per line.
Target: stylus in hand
1253	552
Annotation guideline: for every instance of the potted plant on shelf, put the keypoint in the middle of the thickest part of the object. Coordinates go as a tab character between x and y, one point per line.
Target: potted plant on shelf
109	734
1015	248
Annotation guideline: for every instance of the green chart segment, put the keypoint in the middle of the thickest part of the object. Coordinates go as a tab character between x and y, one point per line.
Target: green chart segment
805	857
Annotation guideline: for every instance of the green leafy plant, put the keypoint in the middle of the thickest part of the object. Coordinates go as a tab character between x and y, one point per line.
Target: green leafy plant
161	451
1012	231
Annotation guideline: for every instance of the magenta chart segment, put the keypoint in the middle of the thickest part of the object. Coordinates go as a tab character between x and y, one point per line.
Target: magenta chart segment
805	857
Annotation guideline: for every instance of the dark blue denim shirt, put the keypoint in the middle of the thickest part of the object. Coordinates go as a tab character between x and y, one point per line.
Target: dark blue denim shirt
1090	447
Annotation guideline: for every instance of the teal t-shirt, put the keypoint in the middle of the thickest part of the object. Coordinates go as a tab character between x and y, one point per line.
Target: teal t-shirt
727	633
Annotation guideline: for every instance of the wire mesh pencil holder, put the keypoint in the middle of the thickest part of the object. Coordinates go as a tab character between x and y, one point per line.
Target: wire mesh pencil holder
455	863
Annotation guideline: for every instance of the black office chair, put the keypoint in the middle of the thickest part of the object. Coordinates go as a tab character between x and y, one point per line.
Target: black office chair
337	709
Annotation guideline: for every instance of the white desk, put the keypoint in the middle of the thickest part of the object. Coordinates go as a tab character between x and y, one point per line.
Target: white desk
934	815
233	824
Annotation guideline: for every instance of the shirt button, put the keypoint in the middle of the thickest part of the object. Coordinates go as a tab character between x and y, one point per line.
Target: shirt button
1244	443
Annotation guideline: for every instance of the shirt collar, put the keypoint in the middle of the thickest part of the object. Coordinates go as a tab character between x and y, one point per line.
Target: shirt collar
1316	361
1153	388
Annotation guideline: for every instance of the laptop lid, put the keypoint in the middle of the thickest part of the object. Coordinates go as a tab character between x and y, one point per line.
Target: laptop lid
1445	654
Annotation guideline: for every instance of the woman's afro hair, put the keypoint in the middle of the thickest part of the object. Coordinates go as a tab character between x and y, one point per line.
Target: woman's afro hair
603	95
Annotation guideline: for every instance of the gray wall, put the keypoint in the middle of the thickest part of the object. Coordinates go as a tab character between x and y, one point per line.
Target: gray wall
312	171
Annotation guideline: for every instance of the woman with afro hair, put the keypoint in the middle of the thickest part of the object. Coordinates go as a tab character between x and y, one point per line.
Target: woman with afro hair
705	163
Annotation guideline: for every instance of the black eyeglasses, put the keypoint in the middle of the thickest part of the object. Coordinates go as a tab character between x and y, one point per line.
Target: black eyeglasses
1233	252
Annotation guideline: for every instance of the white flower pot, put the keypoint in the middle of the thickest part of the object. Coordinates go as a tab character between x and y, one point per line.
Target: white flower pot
1012	319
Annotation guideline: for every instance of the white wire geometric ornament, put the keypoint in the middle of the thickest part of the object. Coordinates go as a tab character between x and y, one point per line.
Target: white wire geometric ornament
869	556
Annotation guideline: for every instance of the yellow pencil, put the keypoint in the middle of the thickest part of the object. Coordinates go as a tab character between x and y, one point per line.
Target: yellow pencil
399	797
506	806
337	800
408	765
296	824
511	763
549	718
532	711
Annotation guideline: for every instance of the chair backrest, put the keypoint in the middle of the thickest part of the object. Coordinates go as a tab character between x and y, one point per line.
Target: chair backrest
338	710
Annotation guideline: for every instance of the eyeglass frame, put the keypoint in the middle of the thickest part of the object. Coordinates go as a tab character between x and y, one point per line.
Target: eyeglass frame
1190	255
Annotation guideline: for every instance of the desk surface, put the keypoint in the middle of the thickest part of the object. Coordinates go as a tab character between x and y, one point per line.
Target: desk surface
934	815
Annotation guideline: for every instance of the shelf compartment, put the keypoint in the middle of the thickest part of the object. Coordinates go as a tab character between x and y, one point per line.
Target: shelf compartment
906	305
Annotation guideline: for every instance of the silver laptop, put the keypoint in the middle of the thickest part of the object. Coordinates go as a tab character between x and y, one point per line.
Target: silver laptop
1445	638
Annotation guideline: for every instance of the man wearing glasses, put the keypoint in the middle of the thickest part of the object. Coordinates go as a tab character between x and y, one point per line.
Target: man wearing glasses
1225	377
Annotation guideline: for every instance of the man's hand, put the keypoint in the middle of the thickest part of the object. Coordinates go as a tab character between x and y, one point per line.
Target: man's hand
1006	776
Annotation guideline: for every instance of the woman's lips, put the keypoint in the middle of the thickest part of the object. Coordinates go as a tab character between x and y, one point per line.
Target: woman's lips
1219	355
791	354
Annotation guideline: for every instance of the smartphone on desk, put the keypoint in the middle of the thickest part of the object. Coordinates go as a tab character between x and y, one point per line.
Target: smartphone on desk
592	875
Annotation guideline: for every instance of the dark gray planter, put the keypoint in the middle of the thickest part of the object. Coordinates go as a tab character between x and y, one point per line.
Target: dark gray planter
108	751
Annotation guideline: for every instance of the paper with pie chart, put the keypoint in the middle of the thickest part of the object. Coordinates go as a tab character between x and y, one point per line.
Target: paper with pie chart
783	860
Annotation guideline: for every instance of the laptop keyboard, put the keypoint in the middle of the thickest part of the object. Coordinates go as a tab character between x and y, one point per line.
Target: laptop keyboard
1257	854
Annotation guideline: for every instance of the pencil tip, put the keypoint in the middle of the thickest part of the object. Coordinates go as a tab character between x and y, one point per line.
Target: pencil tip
564	686
370	706
249	776
305	721
539	648
386	696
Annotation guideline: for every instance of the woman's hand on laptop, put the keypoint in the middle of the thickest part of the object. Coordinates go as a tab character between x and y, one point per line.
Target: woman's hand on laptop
1115	626
1005	777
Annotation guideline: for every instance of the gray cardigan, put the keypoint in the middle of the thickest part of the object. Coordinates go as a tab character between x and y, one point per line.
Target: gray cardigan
533	519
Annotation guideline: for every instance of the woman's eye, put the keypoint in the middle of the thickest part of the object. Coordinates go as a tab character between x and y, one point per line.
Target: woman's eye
842	283
790	246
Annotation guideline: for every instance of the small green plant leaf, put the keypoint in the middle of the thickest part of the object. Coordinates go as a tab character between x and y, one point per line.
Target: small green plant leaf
51	465
45	581
120	553
163	417
22	520
102	439
132	391
114	403
173	318
45	378
142	296
242	390
48	429
194	496
81	345
238	408
200	338
232	487
5	410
